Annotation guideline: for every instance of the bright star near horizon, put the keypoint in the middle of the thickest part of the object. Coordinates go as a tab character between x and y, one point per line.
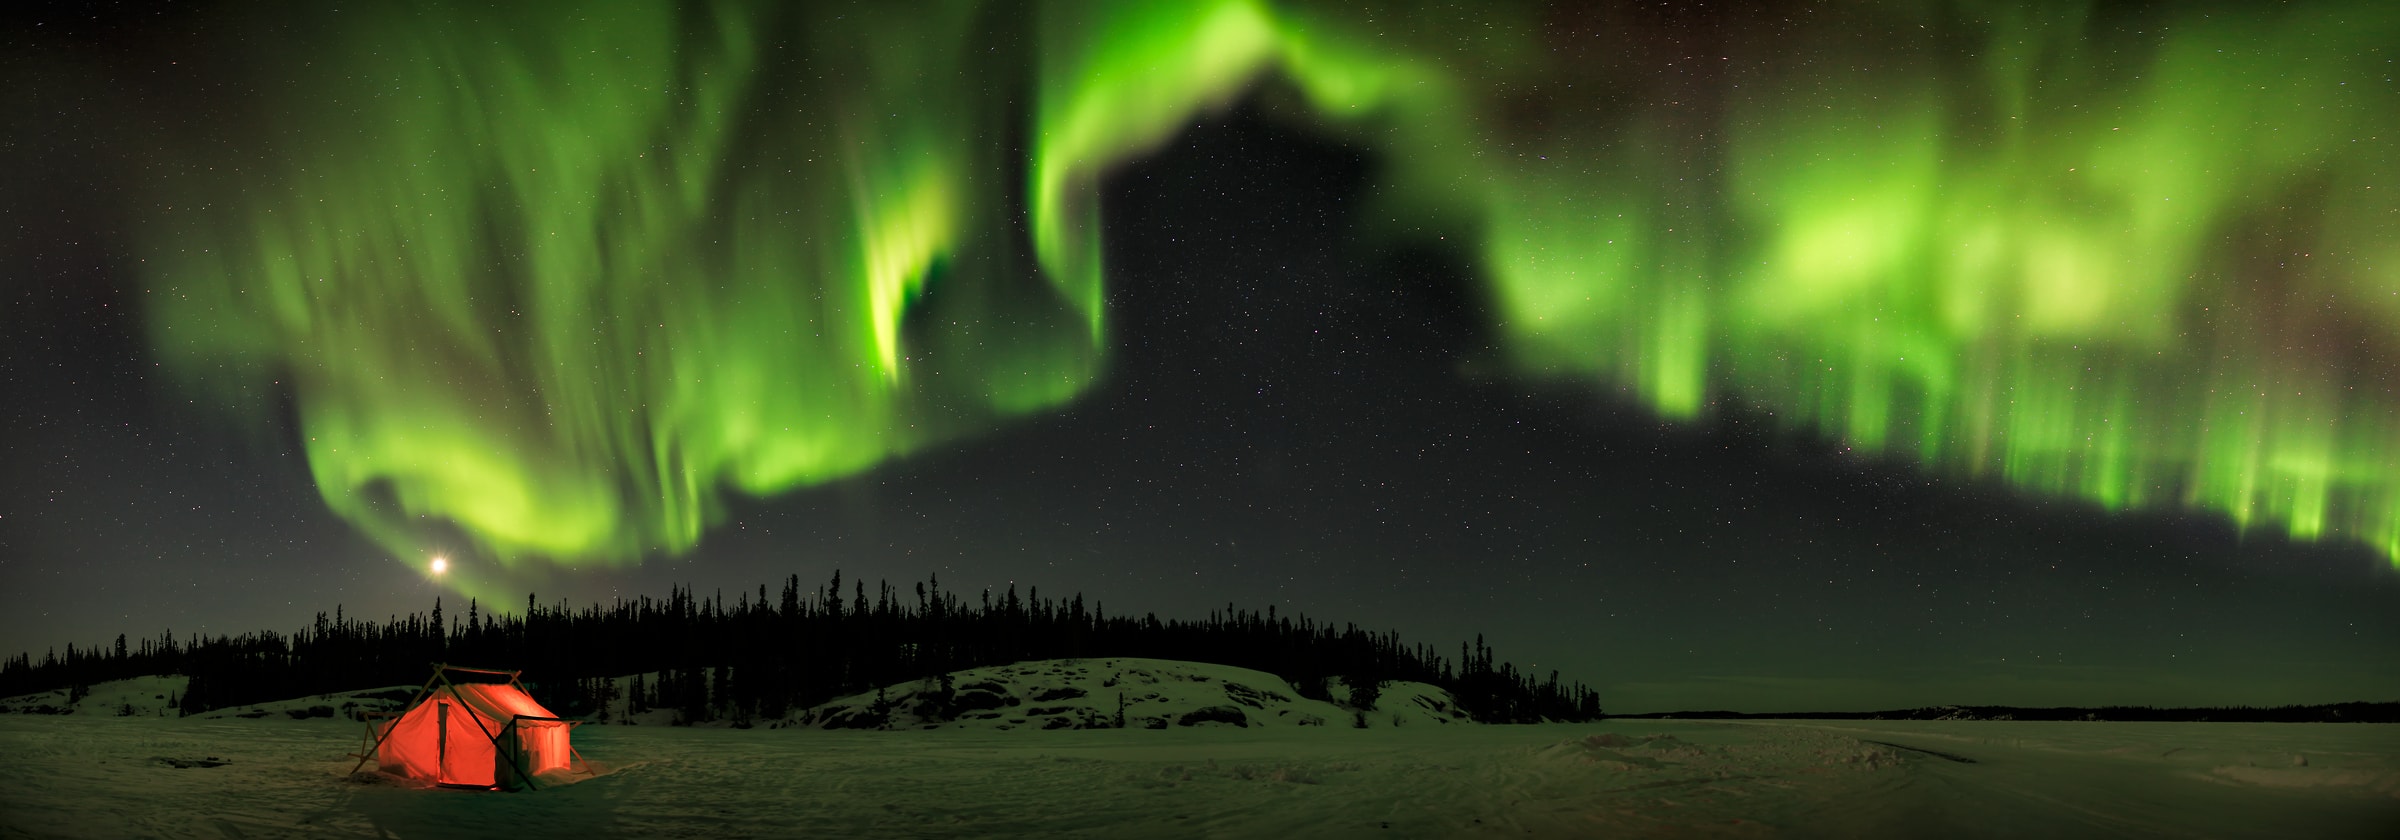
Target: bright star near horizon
441	564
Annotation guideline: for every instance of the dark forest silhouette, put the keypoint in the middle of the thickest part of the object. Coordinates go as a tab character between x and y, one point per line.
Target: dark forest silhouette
760	659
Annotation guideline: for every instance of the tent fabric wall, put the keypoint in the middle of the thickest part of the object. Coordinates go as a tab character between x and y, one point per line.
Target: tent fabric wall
459	734
539	749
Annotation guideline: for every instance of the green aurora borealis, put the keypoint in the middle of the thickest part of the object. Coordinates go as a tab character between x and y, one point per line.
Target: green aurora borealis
564	278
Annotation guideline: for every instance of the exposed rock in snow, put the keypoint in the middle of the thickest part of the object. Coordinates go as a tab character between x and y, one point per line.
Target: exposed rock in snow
1405	703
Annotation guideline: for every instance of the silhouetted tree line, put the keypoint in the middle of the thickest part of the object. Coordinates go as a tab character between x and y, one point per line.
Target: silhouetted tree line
761	657
2357	712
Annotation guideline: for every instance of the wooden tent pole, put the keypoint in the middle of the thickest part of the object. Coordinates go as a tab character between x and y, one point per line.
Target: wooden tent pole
512	761
404	710
512	724
587	764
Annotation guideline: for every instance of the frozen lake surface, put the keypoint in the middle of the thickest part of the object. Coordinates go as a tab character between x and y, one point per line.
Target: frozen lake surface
83	776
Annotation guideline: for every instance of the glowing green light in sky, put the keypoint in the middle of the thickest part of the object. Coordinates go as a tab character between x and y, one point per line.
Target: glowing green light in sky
560	279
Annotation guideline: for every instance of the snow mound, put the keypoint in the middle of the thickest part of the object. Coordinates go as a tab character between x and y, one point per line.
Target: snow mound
1115	693
1405	703
1642	759
158	696
347	705
136	697
2383	783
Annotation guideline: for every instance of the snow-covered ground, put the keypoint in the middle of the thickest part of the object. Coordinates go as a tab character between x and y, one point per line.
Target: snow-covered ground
106	776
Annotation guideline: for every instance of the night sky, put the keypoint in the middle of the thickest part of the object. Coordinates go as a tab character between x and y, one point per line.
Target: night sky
1771	361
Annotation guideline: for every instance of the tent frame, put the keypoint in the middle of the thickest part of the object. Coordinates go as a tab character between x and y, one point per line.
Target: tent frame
440	676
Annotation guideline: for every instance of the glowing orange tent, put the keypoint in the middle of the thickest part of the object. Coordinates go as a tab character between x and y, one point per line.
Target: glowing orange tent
480	731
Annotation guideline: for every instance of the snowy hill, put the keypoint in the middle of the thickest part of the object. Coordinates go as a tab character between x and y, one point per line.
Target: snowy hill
137	697
1095	693
156	697
347	705
1046	694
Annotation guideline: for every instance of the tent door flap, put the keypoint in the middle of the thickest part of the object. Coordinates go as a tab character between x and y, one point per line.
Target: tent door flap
442	753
